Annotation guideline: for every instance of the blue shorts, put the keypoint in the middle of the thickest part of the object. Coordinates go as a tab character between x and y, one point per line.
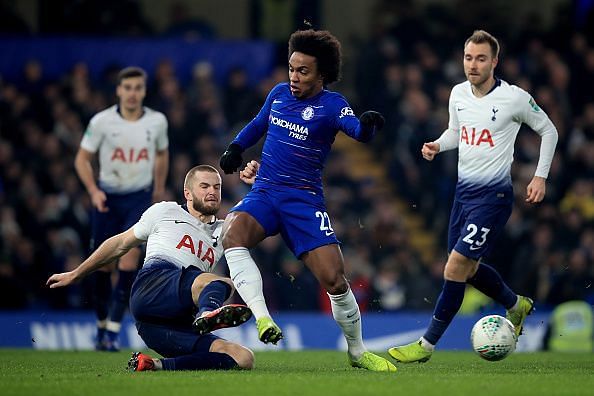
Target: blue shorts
474	228
299	215
161	303
124	211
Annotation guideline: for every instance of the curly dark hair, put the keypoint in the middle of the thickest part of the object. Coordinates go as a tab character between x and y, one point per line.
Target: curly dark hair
323	46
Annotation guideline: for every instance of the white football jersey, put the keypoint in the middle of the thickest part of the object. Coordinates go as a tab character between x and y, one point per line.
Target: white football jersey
174	235
126	148
484	130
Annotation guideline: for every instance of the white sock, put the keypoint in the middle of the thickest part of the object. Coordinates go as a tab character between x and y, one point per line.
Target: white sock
346	313
247	279
516	305
429	347
158	364
113	326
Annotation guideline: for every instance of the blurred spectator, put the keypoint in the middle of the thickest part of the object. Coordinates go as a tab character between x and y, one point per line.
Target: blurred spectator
191	28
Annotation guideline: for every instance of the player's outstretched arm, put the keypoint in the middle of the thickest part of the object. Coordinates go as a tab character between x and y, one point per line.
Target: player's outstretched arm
248	174
109	250
430	150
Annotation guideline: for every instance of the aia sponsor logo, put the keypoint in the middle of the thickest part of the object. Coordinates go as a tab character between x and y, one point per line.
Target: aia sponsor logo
476	138
119	154
187	243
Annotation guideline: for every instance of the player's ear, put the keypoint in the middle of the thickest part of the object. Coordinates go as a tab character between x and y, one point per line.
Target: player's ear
321	79
187	194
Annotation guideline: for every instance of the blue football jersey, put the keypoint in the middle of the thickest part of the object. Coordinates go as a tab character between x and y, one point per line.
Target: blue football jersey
300	133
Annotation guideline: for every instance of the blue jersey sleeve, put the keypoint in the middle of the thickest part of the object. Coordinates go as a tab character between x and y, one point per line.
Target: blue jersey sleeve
346	121
256	128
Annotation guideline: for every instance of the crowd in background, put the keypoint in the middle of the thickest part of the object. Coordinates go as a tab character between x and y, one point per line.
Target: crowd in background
547	251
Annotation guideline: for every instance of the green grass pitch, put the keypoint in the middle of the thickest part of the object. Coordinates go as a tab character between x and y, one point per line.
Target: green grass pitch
29	372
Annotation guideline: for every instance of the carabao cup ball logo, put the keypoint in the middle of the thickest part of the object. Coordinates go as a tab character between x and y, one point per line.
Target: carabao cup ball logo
307	113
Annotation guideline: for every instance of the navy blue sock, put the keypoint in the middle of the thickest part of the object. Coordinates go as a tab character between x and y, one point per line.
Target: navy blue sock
101	293
488	281
121	295
200	361
447	306
213	296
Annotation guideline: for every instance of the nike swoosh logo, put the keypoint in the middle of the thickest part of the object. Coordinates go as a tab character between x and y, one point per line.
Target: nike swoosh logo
328	233
277	101
350	316
180	221
236	275
460	108
472	247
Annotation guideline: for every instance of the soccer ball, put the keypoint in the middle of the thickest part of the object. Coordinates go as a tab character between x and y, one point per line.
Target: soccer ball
493	337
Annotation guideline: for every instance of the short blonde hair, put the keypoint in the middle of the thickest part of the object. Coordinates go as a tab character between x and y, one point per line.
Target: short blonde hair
188	181
480	37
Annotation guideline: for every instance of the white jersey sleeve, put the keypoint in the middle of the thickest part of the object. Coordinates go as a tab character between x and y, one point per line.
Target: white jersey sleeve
533	116
145	226
449	139
162	141
93	136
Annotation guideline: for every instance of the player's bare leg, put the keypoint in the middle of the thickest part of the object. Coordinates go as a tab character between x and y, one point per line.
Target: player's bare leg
327	264
242	232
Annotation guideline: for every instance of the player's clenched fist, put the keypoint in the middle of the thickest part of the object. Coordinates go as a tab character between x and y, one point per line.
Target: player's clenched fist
248	174
231	158
430	150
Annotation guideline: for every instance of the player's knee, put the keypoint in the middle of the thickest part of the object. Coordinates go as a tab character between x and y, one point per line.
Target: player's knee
228	239
242	356
459	270
202	280
337	285
229	235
